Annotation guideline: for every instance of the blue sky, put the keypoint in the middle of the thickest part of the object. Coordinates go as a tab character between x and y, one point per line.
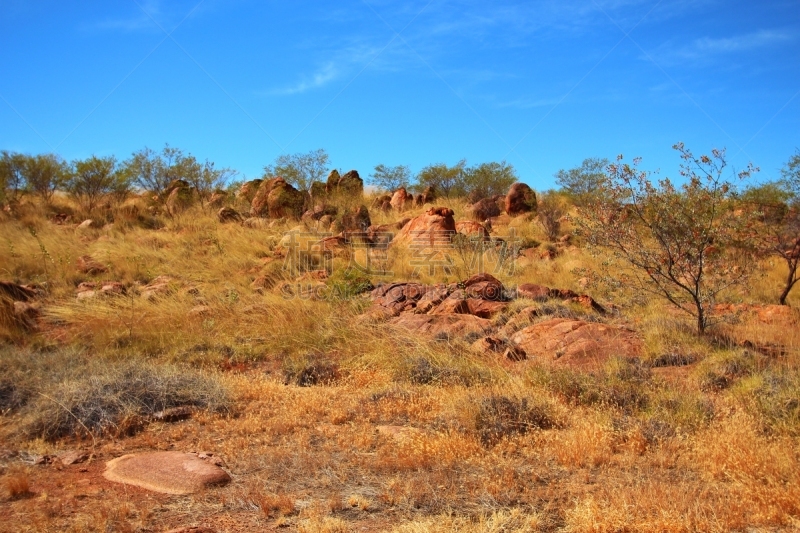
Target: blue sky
542	84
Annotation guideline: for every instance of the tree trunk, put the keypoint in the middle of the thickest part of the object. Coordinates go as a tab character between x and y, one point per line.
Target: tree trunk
790	281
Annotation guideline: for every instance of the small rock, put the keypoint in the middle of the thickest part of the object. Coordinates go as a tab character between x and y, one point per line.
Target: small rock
73	457
174	414
166	472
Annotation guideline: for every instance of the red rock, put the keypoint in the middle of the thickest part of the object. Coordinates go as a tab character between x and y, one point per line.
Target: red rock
73	457
520	199
472	229
485	308
540	293
577	343
166	472
433	229
401	200
87	265
450	325
228	214
483	210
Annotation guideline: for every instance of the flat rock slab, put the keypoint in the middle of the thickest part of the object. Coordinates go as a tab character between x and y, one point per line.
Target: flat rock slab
166	472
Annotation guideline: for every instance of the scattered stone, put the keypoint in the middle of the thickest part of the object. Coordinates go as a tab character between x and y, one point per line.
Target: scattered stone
87	265
484	210
73	457
435	229
472	229
228	214
401	200
166	472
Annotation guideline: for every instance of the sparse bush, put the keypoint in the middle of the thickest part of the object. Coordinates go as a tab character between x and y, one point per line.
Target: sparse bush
309	370
119	400
549	214
499	417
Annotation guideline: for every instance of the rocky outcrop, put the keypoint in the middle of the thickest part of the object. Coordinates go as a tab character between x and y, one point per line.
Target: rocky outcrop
248	190
472	229
276	198
435	228
520	199
576	343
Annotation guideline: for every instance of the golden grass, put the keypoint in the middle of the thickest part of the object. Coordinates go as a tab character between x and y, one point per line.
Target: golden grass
393	440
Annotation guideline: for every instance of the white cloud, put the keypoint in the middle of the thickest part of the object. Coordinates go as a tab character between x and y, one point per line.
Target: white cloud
322	77
708	48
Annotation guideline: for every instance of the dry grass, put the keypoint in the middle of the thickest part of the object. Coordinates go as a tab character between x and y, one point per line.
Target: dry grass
332	424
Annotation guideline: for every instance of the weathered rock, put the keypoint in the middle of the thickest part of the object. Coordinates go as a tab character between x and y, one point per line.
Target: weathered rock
179	195
401	200
540	293
351	184
228	214
160	286
378	202
499	346
248	190
112	288
317	190
484	210
428	196
577	343
255	223
472	229
166	472
73	457
259	205
357	220
520	199
332	183
89	224
434	229
217	198
446	325
484	286
284	201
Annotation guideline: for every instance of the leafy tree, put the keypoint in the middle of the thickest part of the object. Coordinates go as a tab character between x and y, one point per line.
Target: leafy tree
791	175
44	174
684	243
390	178
146	169
489	179
449	181
778	206
92	179
301	170
585	182
12	175
205	178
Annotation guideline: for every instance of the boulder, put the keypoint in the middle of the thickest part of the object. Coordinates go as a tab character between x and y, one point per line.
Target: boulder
248	190
351	184
276	198
217	198
472	229
167	472
228	214
378	202
179	195
520	199
317	190
577	343
446	325
434	228
484	210
332	183
357	220
401	200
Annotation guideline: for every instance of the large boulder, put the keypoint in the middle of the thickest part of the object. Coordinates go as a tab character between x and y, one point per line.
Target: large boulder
217	198
357	219
317	190
332	183
350	184
520	199
484	210
401	200
576	343
434	228
248	190
276	198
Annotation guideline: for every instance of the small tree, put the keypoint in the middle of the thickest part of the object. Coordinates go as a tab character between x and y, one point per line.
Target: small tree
449	181
550	211
146	170
585	182
489	179
12	175
301	170
92	179
44	174
206	178
390	178
686	244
